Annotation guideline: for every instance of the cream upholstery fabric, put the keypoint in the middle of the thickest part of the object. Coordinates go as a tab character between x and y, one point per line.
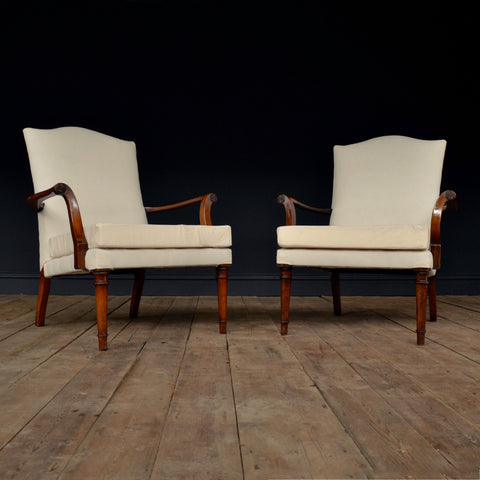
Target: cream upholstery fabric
384	191
106	259
364	237
146	236
101	170
391	180
328	258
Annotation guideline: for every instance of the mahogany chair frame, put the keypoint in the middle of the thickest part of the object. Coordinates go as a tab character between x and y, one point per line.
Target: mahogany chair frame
425	285
80	245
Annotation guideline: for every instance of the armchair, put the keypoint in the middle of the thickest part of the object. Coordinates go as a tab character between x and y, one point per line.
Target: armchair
91	219
385	216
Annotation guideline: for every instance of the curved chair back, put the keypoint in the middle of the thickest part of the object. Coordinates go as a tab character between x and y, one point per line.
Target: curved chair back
390	180
101	170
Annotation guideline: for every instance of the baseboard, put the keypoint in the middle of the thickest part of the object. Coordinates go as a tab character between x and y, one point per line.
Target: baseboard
171	283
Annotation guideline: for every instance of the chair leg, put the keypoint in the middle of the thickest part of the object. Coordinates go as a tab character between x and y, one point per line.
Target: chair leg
421	297
101	296
222	281
137	292
43	292
335	281
432	298
285	290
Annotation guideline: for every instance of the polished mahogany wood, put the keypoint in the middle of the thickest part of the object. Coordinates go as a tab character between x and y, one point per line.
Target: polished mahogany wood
291	215
137	292
425	287
80	244
42	301
222	278
285	290
101	297
206	202
290	211
206	207
446	201
286	270
421	284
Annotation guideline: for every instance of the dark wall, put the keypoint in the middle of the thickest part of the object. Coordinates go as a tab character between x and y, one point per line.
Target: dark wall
244	101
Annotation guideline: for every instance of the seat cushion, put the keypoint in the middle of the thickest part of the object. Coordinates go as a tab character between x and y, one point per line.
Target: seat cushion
377	237
120	258
335	258
114	236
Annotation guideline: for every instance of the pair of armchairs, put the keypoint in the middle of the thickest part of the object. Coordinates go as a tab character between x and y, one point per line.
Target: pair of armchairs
381	218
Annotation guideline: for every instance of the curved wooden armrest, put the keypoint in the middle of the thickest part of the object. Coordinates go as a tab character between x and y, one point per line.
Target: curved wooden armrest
80	245
291	214
446	201
206	202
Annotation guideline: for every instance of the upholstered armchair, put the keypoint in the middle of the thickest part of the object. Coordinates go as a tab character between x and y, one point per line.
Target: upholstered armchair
385	216
91	219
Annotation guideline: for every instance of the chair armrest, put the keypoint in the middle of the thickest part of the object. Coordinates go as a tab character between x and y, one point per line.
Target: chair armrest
445	202
80	245
206	202
290	212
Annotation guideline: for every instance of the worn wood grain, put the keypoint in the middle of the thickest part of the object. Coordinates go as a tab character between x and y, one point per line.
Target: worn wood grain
130	427
466	301
22	352
17	317
401	374
16	304
45	445
338	397
200	438
390	443
286	428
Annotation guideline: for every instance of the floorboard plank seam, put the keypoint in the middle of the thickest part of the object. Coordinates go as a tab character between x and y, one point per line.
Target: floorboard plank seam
330	406
120	383
235	409
463	307
175	383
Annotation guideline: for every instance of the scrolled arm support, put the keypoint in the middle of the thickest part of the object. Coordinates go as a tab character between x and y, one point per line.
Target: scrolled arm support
206	207
80	244
290	211
206	202
446	201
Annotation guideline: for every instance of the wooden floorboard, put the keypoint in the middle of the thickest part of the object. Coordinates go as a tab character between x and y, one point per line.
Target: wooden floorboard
348	396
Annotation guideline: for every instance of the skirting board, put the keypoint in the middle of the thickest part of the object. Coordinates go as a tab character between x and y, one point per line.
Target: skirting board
171	283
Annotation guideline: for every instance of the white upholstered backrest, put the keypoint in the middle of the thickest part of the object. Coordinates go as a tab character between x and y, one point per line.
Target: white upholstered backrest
101	170
390	180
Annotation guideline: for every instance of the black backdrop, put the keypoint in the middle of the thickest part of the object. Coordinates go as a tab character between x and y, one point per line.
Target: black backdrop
245	100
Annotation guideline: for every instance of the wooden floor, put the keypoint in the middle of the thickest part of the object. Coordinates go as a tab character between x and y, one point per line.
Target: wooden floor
339	397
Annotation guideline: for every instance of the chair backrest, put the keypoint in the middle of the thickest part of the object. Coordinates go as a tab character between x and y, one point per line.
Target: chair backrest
101	170
390	180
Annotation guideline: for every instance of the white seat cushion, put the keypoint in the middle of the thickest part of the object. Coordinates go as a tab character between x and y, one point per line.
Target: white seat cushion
363	237
110	259
114	236
382	259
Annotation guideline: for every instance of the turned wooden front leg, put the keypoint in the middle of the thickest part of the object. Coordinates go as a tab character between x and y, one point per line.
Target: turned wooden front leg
101	296
222	279
42	300
285	290
421	296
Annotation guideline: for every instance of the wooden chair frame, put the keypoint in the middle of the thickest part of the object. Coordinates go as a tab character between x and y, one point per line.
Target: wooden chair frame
425	285
80	246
